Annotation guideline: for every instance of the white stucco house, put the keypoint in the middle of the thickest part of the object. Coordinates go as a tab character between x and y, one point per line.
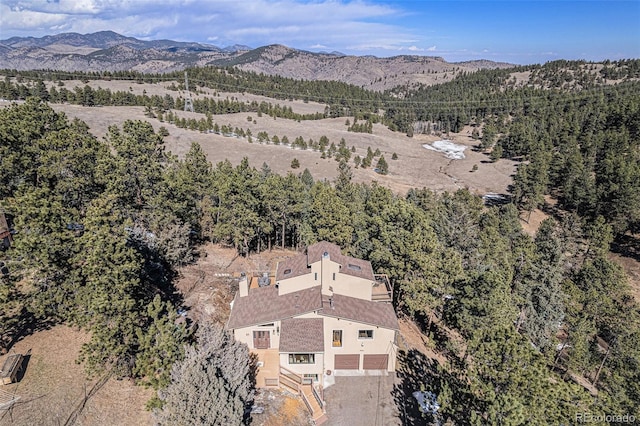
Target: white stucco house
324	314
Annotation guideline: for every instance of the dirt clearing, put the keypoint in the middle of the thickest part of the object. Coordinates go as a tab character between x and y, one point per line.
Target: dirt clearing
416	166
54	387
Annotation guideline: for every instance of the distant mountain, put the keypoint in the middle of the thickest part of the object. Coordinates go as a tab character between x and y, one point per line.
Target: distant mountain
103	40
369	72
107	50
236	48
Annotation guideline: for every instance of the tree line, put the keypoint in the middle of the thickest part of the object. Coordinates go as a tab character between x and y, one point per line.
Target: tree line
101	227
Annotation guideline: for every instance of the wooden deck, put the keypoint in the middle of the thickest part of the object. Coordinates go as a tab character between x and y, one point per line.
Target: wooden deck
382	291
270	369
270	374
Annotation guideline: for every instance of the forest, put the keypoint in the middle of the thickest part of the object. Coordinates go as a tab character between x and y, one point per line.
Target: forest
535	330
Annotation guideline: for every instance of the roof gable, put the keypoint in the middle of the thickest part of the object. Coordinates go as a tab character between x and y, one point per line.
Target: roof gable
360	310
302	335
292	267
264	305
300	264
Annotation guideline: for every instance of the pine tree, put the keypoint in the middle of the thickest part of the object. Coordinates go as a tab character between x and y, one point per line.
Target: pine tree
212	385
382	167
345	175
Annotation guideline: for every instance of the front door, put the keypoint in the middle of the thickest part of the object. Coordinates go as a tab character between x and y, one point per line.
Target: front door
261	339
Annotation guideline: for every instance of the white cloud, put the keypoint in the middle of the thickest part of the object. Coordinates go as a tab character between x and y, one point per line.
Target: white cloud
296	23
431	49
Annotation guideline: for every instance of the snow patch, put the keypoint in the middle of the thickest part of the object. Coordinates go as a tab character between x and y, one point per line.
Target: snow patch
448	148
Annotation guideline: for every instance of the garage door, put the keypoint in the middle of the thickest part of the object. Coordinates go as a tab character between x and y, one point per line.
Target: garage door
347	362
375	362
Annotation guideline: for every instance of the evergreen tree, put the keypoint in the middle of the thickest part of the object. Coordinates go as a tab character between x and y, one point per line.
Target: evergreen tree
382	167
212	385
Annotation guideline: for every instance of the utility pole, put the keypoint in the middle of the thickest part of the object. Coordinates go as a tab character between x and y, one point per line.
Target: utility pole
188	104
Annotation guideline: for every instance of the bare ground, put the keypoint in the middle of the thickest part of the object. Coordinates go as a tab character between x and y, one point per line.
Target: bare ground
413	338
209	285
54	387
416	166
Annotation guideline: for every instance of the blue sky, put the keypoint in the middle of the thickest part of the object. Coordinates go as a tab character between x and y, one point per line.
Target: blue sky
515	31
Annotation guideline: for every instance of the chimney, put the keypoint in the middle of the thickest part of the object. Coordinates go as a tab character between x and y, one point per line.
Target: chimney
244	285
325	274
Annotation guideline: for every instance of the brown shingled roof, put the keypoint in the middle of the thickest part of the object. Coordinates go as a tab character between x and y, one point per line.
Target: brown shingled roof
315	251
264	305
360	310
299	265
296	266
302	335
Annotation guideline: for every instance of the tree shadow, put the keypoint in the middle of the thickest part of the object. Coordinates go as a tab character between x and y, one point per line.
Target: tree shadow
417	372
24	324
627	246
413	372
156	273
253	375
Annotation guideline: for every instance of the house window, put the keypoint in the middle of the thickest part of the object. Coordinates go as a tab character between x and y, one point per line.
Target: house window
315	276
287	271
337	338
334	276
267	325
365	334
313	377
302	359
354	267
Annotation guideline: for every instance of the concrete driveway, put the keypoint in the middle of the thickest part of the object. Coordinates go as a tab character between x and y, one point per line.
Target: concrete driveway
362	401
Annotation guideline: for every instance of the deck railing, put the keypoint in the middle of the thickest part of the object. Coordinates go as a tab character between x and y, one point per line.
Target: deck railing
318	398
296	377
295	381
291	384
306	402
382	290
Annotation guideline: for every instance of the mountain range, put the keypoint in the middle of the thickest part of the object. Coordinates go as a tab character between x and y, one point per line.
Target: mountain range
110	51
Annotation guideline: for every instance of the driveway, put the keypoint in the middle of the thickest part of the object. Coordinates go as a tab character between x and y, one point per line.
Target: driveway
362	401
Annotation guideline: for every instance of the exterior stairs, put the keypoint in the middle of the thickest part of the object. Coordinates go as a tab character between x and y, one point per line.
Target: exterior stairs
297	384
317	412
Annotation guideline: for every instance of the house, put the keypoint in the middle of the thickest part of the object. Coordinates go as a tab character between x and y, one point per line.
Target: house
323	315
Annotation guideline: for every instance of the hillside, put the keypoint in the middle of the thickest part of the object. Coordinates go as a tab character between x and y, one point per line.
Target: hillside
109	51
101	206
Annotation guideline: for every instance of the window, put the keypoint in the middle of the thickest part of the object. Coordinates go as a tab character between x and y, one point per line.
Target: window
302	359
287	271
365	334
313	377
334	276
337	338
354	267
315	276
267	325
